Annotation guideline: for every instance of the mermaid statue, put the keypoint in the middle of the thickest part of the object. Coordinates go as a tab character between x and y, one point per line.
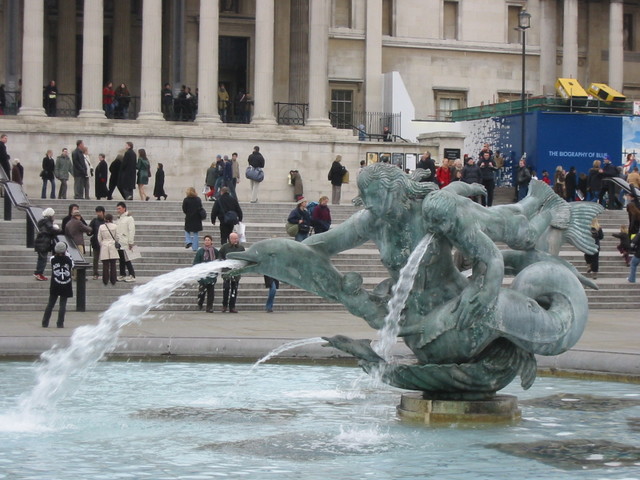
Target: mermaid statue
470	335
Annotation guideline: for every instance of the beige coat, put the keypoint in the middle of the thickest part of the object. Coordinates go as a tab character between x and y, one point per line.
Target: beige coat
126	230
107	243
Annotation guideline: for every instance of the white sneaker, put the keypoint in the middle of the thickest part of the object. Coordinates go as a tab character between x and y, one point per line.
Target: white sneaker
121	278
130	279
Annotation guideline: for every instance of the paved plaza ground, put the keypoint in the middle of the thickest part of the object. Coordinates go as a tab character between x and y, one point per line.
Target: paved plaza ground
609	346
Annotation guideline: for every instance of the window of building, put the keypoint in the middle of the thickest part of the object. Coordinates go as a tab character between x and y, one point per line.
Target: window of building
448	101
342	13
509	96
342	108
229	6
627	32
514	35
450	20
387	17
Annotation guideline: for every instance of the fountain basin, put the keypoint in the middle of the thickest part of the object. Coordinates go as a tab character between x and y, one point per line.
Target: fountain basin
207	420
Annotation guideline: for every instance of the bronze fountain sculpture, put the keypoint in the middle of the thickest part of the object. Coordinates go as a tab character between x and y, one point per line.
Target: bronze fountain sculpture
470	336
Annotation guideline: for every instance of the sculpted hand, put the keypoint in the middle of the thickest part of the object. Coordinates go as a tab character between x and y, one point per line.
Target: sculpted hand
474	304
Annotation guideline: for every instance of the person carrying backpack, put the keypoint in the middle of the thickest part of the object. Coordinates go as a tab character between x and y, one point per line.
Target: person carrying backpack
44	241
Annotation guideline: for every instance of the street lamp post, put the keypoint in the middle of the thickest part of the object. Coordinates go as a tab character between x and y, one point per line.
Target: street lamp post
524	22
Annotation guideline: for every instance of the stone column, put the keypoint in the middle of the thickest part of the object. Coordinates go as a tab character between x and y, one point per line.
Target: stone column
548	53
318	62
32	58
373	57
616	47
12	46
299	51
208	63
570	40
263	95
151	71
92	39
178	51
121	58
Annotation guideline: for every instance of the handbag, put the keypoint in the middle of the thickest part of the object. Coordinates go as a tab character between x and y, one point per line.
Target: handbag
230	218
118	246
254	173
203	213
292	229
345	175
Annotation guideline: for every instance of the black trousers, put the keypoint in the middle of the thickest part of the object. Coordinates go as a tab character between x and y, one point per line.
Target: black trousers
229	293
125	263
61	311
208	291
490	185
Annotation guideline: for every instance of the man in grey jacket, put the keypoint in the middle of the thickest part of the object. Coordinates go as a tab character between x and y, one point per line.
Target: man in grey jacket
63	169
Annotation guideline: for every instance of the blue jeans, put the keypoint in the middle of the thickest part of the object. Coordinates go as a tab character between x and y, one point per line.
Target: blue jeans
44	188
41	263
632	271
192	238
522	191
271	297
301	236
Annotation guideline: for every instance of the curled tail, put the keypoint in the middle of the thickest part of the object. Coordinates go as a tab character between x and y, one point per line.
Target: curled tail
579	232
570	222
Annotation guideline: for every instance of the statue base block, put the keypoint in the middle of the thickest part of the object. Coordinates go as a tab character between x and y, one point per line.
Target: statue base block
499	409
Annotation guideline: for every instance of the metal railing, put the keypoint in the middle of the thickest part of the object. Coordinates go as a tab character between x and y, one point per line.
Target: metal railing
291	113
14	196
371	123
543	104
69	105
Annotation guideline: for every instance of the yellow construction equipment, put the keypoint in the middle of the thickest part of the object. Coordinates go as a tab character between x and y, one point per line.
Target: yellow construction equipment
570	88
605	92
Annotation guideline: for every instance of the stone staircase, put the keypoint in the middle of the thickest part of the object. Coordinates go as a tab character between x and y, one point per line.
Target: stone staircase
159	233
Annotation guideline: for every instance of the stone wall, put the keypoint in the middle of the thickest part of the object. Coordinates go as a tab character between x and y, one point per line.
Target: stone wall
187	150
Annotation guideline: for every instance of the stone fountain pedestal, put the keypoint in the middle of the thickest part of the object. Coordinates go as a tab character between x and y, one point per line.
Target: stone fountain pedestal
499	409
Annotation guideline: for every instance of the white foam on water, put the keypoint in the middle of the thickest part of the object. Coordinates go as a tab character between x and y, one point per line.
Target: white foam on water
326	394
358	438
61	369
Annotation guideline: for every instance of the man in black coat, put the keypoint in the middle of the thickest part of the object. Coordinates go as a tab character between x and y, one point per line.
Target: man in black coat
256	160
487	174
4	156
427	163
609	170
79	170
225	204
127	175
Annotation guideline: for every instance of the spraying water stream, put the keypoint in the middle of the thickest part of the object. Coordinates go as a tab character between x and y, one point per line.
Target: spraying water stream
400	292
88	344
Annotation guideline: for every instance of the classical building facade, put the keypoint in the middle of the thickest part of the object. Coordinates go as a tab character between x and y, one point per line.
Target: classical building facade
449	53
418	58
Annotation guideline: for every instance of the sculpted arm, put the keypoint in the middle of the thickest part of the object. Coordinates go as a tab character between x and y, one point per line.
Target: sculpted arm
466	189
350	234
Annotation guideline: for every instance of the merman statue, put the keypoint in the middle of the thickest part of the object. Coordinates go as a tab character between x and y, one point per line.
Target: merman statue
470	336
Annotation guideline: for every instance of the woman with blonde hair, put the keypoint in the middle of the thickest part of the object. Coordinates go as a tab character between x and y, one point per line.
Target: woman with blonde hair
192	208
594	182
559	182
593	260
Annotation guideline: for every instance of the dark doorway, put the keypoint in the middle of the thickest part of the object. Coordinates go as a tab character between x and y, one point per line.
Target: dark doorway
233	54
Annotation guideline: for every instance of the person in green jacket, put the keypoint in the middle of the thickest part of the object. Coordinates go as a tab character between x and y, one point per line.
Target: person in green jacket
144	172
206	285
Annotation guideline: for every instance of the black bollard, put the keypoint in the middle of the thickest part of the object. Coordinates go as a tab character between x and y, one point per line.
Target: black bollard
81	290
7	207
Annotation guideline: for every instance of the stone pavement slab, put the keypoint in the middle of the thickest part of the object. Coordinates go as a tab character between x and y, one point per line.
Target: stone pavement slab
610	344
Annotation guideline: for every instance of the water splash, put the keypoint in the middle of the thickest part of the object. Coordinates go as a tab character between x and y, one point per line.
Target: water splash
285	347
60	369
389	332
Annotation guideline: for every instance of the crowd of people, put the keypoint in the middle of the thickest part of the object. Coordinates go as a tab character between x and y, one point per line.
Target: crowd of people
128	173
111	241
